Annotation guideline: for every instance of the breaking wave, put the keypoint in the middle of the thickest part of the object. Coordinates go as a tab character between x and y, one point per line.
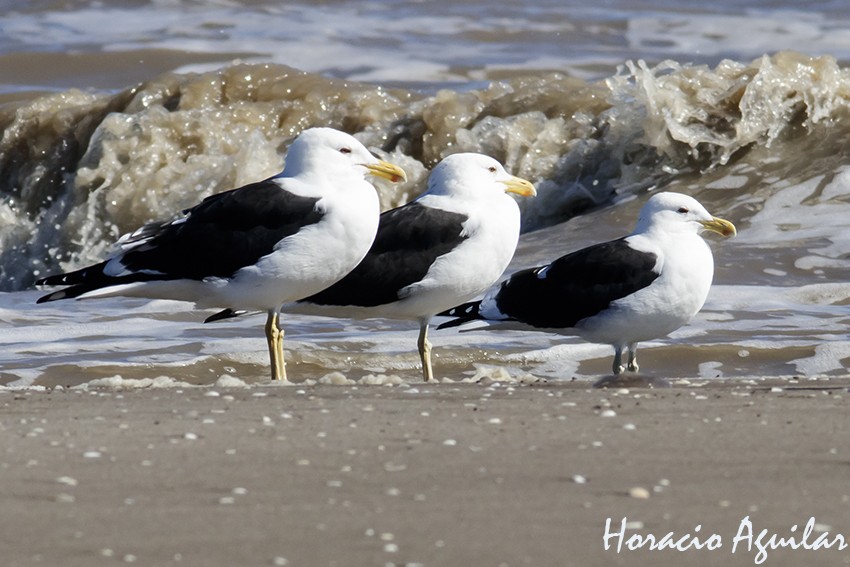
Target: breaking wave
82	168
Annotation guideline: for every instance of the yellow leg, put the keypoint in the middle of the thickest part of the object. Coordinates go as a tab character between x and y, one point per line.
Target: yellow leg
425	352
274	338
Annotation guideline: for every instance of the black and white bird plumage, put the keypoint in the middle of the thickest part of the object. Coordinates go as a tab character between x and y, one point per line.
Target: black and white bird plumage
256	247
447	246
636	288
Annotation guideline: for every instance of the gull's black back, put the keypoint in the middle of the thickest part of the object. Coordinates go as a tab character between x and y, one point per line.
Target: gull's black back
409	240
576	286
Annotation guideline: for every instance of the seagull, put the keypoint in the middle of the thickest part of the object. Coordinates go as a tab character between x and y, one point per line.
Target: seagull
447	246
256	247
639	287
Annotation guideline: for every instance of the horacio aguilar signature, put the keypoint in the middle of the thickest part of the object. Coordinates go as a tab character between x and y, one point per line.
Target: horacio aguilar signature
746	539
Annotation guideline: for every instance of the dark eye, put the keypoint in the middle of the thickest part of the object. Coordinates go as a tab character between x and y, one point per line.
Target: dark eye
492	169
345	150
683	210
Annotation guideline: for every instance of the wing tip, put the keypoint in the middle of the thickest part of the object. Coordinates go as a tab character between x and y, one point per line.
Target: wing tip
55	296
224	314
462	314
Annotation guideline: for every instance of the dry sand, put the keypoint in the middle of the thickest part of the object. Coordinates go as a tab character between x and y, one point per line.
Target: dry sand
429	475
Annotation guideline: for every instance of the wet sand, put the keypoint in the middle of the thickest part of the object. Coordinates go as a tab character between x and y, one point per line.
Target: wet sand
432	475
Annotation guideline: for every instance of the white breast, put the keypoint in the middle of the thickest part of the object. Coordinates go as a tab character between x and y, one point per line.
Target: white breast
492	232
687	269
314	258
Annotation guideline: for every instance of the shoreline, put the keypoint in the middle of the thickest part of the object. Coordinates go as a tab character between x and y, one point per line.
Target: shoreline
445	474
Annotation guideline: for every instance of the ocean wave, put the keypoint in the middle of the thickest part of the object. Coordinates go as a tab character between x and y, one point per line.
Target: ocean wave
82	168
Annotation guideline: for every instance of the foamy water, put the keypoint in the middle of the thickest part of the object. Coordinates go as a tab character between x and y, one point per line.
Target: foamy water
595	104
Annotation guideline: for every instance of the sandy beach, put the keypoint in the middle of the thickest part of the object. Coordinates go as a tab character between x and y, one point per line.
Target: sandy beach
493	474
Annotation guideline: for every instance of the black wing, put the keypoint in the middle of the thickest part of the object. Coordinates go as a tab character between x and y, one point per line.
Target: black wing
222	234
572	288
576	286
409	240
225	232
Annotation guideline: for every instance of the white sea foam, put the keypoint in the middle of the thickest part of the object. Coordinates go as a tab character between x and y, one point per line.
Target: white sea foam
120	383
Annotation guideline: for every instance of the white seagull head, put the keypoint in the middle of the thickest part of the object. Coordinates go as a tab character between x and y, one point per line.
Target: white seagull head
333	153
678	213
473	176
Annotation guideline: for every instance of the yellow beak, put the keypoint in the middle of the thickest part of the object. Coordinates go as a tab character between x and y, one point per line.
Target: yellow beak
520	186
387	170
721	226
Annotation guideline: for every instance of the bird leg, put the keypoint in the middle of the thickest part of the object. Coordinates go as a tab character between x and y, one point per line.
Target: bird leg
274	337
425	351
633	365
617	367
